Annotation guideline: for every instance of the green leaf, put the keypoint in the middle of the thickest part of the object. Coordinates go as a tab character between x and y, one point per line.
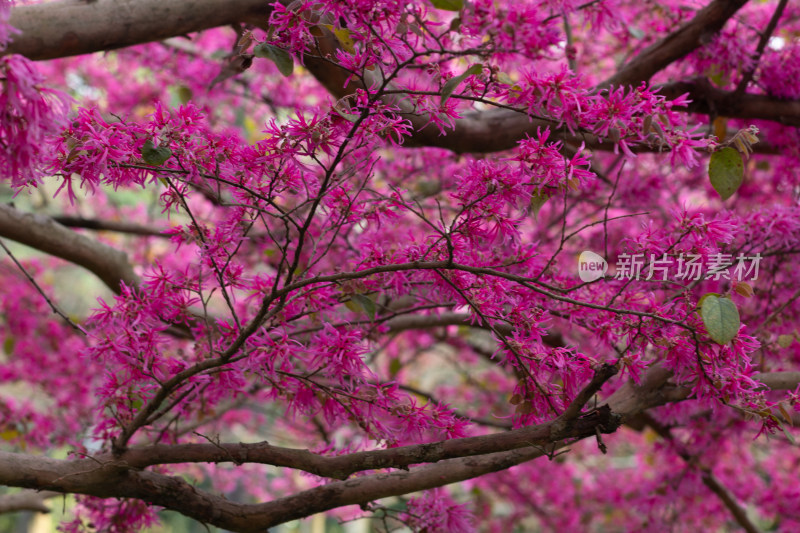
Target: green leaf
184	94
367	304
9	434
282	59
8	344
351	117
635	32
789	436
153	156
786	432
726	170
343	36
505	79
703	299
718	76
394	367
452	83
537	201
720	317
784	341
448	5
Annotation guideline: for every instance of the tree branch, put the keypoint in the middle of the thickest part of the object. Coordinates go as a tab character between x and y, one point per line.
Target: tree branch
739	514
26	500
343	466
698	31
408	322
46	235
109	225
75	27
708	477
110	477
708	99
762	45
603	374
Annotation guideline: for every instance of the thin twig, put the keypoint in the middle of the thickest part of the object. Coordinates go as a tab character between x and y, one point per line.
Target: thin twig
603	374
708	477
762	44
52	305
109	225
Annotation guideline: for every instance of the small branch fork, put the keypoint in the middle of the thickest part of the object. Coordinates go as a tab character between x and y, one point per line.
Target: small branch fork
762	45
601	376
39	289
709	479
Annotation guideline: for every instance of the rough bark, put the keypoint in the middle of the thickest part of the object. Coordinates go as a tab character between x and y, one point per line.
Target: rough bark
123	477
75	27
46	235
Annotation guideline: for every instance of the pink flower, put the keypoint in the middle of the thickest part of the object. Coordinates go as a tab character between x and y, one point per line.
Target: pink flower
30	115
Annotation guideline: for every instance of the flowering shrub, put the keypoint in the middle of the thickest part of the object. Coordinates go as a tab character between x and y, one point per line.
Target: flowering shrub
440	264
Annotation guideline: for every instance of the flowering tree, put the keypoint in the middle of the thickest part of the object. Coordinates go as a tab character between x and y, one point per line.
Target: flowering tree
450	264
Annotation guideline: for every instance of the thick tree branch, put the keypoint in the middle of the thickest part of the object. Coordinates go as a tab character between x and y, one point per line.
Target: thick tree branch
570	426
627	402
708	99
75	27
779	380
121	477
46	235
499	130
26	500
698	31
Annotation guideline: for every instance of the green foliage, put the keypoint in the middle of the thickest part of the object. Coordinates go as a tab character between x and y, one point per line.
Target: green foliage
452	83
155	156
720	317
448	5
282	59
726	171
365	304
